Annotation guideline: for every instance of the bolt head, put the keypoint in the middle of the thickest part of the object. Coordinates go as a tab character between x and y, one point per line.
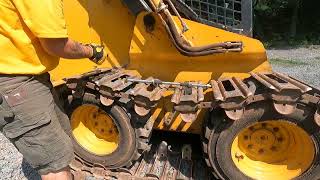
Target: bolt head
276	129
239	156
94	116
261	151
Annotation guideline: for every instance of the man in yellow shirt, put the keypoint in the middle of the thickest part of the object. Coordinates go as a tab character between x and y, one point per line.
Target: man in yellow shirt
33	36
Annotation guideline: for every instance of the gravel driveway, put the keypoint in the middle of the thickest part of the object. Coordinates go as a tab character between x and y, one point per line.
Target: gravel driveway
302	63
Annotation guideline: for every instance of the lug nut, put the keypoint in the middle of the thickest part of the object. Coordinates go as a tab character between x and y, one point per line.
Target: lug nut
239	156
94	116
261	151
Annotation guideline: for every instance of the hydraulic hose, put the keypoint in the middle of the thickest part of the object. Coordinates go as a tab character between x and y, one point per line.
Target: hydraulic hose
181	43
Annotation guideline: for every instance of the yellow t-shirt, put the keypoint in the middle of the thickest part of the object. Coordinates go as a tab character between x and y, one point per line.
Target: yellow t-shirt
22	22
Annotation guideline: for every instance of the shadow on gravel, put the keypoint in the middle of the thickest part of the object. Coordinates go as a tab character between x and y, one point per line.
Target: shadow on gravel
28	171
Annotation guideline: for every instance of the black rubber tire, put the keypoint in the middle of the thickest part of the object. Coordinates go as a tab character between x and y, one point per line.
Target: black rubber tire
220	138
129	143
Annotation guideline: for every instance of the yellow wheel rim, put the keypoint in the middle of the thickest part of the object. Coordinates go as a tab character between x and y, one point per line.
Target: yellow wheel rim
273	150
94	130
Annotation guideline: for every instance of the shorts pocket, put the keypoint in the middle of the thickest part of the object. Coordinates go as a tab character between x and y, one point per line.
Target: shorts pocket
31	103
24	124
30	111
6	113
33	151
44	145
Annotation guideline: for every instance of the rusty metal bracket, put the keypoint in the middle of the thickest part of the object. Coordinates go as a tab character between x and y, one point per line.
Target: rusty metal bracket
231	93
113	85
287	91
146	97
235	114
79	90
186	100
231	89
284	108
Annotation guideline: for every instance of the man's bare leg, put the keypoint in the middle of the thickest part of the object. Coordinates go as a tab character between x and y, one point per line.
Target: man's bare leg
64	174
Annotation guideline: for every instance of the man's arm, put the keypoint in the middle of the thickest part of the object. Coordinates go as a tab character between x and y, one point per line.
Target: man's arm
66	48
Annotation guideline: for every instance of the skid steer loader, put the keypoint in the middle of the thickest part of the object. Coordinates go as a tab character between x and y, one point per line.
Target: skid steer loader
174	65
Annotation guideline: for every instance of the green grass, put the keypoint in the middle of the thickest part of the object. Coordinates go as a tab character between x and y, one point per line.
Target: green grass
285	62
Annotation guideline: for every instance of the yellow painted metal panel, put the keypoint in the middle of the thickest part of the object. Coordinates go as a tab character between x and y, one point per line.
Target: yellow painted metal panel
106	22
155	55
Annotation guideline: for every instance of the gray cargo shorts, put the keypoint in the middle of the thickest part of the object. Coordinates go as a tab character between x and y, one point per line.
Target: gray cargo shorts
33	120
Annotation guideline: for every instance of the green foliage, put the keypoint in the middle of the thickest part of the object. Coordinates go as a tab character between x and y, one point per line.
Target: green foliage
273	22
271	7
287	62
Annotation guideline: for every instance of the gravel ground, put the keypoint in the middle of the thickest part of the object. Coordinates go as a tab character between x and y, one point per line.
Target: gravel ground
12	165
302	63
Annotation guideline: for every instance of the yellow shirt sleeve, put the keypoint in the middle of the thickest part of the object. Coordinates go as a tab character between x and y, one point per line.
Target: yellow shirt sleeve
44	18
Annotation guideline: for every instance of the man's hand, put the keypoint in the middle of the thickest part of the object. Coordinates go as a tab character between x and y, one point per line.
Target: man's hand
98	54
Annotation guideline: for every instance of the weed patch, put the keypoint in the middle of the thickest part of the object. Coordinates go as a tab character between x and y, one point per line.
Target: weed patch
287	62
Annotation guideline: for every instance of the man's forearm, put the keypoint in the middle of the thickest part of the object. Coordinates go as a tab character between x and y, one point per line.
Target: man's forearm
75	50
66	48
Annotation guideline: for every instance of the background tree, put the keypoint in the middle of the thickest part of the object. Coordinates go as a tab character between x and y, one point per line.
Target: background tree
294	5
287	21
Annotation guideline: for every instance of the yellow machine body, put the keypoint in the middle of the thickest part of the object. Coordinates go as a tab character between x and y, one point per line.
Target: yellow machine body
152	53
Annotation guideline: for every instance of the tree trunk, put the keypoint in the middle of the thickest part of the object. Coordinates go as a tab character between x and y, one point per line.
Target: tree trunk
294	18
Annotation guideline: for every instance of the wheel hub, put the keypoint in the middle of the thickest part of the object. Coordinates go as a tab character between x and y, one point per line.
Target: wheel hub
273	149
94	130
